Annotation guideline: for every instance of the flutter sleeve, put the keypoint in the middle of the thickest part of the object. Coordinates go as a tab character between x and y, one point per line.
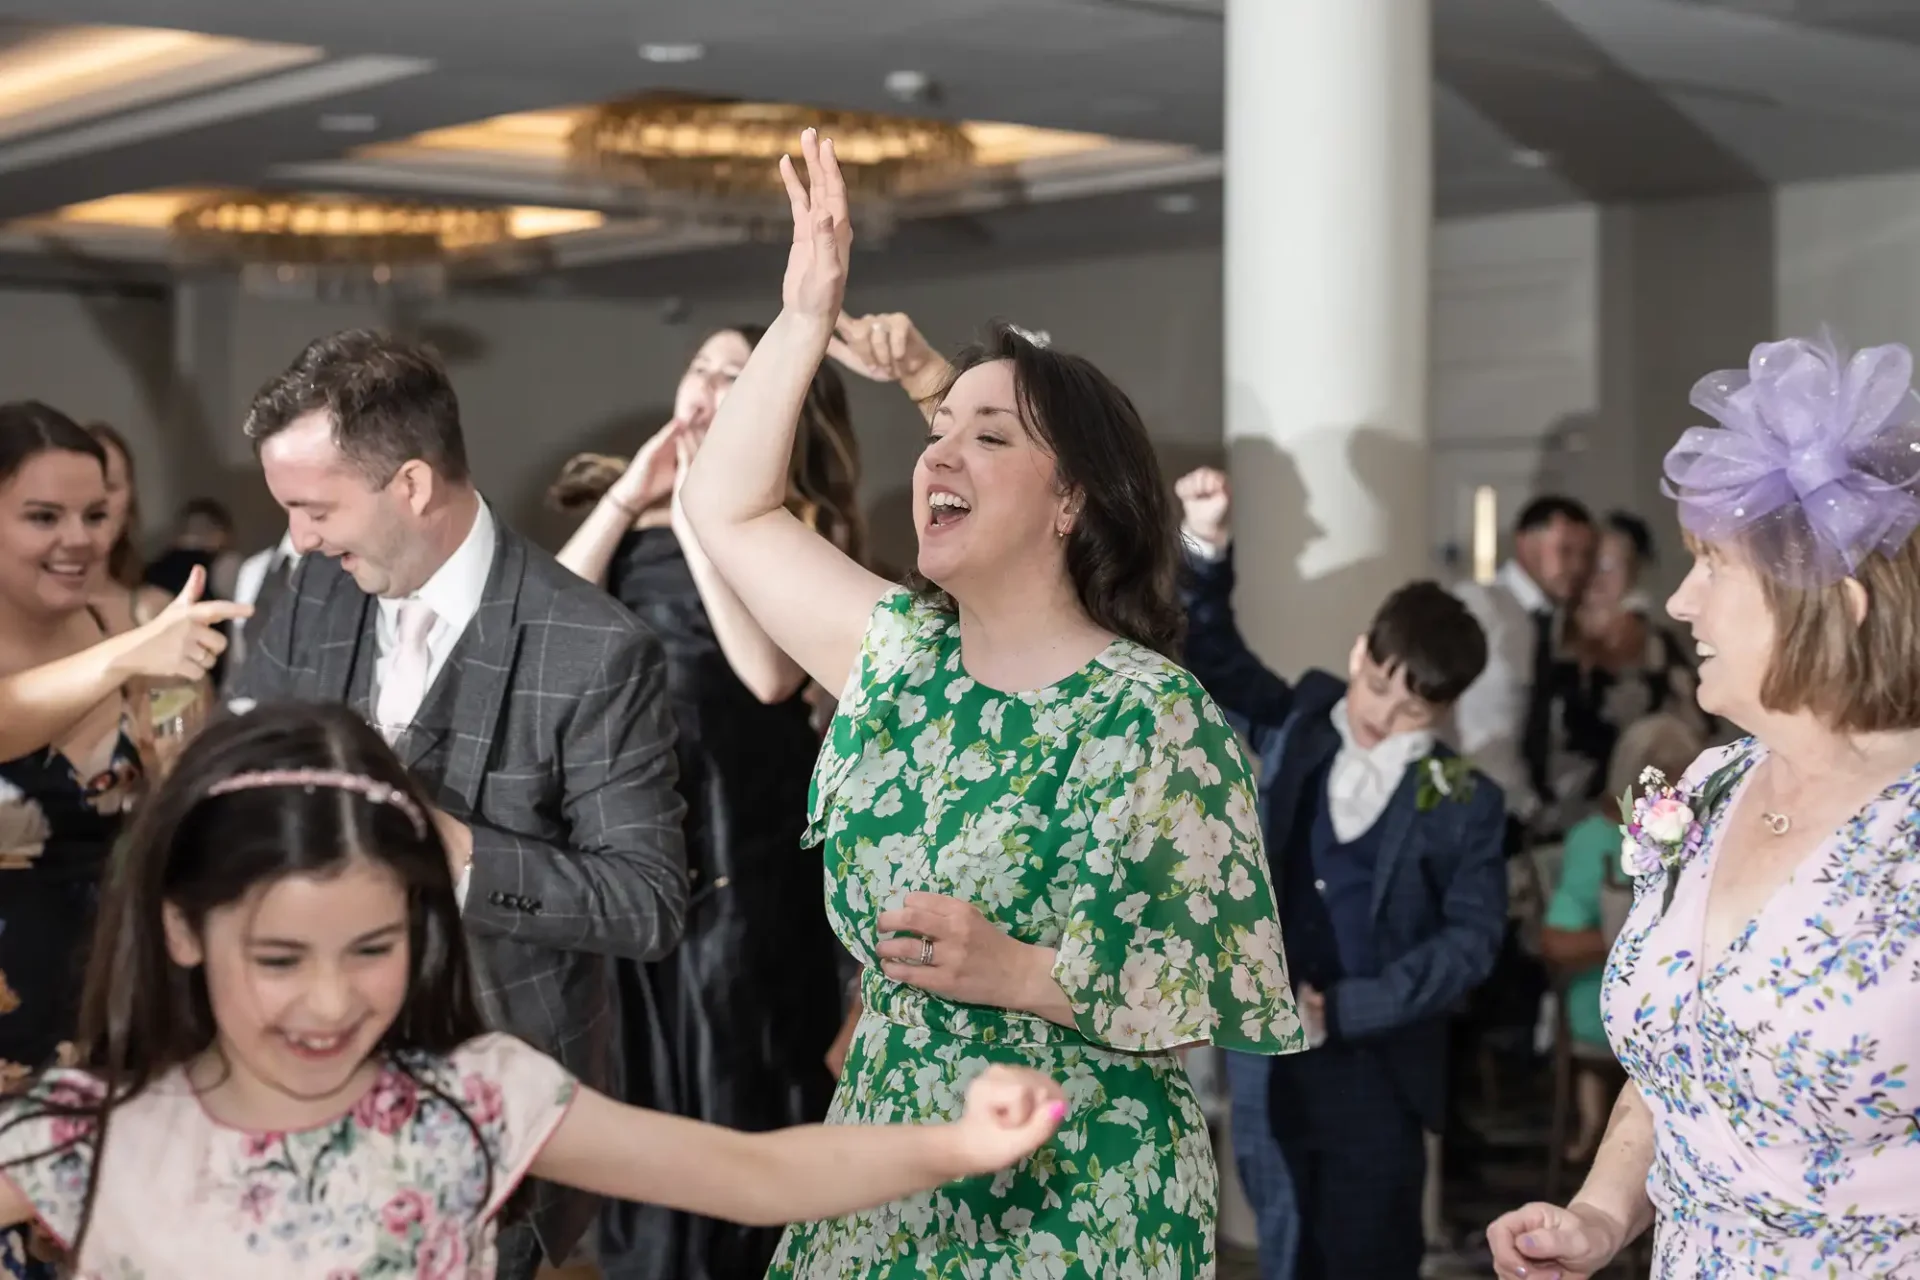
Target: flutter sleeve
47	1149
517	1096
1172	936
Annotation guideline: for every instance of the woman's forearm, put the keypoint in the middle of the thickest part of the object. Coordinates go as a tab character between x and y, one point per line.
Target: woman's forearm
590	550
759	663
1037	991
741	471
40	704
924	387
1573	949
1617	1185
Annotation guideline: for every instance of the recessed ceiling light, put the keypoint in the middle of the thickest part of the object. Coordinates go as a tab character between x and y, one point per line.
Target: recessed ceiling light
1528	158
686	52
349	122
1176	202
910	86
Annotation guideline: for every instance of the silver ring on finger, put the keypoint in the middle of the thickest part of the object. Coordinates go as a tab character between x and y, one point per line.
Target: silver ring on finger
925	958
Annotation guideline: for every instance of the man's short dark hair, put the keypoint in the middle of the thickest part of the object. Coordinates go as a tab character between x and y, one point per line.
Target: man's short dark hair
390	401
1425	631
1547	508
211	510
1635	531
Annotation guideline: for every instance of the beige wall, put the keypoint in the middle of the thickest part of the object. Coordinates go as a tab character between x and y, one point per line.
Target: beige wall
540	379
1563	344
96	358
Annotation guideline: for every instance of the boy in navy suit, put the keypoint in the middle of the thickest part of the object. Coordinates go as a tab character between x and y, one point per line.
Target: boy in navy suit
1386	854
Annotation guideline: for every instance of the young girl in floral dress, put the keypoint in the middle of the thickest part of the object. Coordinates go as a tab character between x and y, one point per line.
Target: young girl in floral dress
283	1071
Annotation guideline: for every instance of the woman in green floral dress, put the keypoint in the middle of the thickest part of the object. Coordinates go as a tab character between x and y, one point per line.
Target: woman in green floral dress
1041	836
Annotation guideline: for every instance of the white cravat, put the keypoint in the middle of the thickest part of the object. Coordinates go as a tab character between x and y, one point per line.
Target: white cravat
1363	779
404	686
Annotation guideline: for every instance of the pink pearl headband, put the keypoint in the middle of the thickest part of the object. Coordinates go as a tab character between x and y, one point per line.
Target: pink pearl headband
337	779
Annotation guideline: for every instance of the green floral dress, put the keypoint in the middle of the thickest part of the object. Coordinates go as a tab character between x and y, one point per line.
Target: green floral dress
1110	816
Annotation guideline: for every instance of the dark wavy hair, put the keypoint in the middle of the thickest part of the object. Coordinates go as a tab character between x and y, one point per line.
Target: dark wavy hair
823	477
142	1015
1124	551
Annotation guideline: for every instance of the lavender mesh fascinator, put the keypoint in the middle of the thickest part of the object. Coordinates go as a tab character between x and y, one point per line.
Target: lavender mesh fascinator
1815	463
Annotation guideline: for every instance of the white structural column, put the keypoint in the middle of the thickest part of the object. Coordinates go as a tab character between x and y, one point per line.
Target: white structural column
1328	213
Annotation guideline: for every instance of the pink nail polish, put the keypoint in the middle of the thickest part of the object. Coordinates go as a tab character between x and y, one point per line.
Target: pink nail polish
1058	1111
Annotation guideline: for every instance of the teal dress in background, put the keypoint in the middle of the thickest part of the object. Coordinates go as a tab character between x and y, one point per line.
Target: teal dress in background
1592	894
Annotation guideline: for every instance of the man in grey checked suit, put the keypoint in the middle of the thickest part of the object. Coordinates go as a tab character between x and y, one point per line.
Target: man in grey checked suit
529	702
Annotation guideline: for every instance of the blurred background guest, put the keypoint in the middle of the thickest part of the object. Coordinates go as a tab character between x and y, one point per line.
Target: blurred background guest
1623	664
734	1025
1589	906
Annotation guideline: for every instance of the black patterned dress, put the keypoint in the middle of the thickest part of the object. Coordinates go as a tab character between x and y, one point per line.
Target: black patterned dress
732	1027
57	830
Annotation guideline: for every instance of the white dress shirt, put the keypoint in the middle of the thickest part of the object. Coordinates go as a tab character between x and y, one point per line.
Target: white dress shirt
253	570
248	582
453	593
1489	721
1363	779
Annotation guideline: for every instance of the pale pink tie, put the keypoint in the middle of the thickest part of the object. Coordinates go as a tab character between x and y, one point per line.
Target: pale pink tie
405	686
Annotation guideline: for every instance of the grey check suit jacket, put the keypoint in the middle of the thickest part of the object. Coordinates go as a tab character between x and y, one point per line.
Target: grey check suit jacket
551	725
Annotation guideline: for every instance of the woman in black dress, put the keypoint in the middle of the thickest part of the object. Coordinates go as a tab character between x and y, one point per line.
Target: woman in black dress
734	1026
77	720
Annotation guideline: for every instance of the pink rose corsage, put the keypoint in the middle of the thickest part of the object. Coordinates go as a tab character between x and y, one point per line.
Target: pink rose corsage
1660	833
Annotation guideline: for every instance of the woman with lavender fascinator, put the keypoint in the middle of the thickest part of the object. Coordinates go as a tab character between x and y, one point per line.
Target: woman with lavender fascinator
1762	993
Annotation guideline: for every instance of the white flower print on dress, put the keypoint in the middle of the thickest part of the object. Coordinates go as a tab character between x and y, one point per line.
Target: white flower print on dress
24	829
1111	817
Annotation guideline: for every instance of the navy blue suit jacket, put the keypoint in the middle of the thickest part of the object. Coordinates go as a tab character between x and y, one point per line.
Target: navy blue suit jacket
1440	886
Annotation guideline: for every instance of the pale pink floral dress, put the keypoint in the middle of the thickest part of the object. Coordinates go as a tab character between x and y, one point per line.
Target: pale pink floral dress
1786	1142
403	1185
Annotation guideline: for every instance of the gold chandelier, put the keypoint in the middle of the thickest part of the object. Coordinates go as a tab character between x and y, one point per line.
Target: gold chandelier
722	156
325	245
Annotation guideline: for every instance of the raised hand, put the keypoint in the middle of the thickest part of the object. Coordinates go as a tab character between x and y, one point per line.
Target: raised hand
885	348
650	476
182	641
1541	1240
1010	1112
816	279
1206	501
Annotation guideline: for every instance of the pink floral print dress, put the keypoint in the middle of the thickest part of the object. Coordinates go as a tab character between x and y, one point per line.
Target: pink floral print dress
1786	1140
408	1183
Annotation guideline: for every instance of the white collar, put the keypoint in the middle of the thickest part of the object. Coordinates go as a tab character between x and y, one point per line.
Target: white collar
457	586
1524	588
1363	780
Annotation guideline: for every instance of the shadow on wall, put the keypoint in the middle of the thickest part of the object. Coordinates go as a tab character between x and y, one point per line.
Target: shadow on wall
1313	618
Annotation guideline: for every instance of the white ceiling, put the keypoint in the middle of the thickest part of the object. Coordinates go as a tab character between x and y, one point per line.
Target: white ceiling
1621	99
